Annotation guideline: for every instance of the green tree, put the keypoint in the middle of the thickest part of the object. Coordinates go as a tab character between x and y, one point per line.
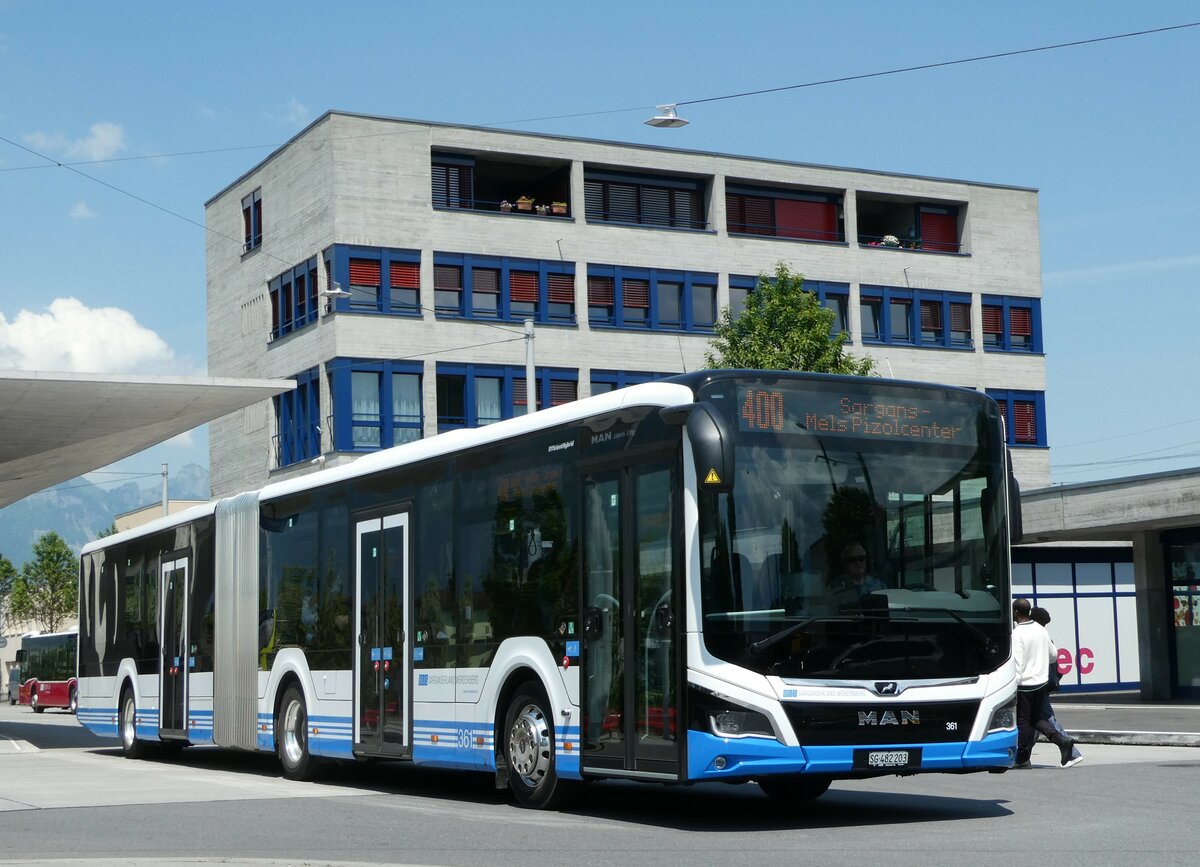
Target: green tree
8	575
46	590
783	327
110	531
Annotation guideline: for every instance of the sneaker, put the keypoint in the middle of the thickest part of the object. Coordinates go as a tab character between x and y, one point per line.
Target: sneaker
1022	766
1066	748
1072	762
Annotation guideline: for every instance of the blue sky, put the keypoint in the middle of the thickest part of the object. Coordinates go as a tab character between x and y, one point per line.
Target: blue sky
96	279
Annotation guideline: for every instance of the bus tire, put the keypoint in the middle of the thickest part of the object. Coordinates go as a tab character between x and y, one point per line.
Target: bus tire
73	702
132	747
794	787
33	701
529	752
291	736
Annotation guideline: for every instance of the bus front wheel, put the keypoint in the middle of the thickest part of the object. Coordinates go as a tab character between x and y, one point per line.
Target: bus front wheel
794	787
73	702
33	701
529	752
131	746
291	736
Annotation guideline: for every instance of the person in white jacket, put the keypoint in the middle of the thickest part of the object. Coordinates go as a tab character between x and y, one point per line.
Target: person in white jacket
1031	647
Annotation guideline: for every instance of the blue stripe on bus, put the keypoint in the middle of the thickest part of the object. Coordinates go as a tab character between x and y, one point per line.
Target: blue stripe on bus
749	757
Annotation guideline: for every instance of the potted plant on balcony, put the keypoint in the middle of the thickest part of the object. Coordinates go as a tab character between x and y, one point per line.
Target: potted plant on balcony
559	208
505	206
525	203
889	241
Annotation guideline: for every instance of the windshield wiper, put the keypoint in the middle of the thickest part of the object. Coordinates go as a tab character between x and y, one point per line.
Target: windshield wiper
985	642
761	646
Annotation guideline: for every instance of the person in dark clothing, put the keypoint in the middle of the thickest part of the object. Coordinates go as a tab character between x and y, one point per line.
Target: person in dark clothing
1042	616
1031	647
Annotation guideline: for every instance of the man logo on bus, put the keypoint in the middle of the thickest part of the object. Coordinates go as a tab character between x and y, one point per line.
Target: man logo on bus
889	718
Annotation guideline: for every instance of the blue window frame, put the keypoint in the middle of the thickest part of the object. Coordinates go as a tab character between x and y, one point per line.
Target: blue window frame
833	296
376	279
938	320
473	395
252	227
644	200
611	380
1011	324
376	404
294	298
504	288
654	298
298	420
1024	416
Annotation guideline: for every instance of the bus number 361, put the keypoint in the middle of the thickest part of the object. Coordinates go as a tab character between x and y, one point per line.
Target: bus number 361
763	410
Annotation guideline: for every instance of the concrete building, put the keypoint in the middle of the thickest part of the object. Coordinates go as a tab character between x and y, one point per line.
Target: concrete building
387	265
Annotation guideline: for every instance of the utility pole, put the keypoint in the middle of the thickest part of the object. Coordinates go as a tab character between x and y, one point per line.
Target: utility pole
531	388
164	491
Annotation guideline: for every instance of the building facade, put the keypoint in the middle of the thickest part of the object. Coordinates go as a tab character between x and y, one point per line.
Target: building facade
388	265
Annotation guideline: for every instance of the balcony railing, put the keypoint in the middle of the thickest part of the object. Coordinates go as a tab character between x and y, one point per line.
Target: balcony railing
521	206
896	242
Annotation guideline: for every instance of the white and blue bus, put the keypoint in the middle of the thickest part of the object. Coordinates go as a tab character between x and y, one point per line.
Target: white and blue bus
646	584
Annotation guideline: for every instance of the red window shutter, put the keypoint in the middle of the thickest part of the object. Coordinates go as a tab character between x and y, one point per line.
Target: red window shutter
815	221
931	316
561	288
523	286
1020	322
561	391
364	272
735	212
636	293
993	319
600	291
519	398
405	275
447	277
960	317
1024	422
939	232
485	280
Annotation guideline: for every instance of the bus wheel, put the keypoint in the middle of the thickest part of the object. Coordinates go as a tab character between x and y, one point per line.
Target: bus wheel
130	745
73	702
33	701
291	736
529	752
794	787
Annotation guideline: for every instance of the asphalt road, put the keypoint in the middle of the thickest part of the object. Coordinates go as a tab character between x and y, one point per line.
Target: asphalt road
68	797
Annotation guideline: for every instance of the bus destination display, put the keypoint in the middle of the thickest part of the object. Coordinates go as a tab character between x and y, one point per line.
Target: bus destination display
859	415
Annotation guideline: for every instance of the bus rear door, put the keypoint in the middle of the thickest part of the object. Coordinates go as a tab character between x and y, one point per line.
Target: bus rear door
176	660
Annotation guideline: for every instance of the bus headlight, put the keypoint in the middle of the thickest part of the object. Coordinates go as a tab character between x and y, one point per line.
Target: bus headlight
740	724
1004	718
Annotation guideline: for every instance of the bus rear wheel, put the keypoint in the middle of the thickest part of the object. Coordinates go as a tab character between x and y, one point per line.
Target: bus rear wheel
291	736
73	702
529	752
131	746
794	787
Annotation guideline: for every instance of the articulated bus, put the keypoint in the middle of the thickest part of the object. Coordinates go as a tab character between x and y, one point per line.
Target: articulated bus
646	584
48	671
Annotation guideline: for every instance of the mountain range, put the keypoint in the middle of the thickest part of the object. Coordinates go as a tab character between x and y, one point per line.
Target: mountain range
78	510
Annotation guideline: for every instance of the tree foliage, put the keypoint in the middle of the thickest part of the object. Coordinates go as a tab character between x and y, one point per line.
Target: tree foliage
46	590
783	327
8	575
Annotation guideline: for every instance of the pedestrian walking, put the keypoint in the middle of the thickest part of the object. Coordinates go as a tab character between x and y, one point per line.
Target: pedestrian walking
1031	651
1042	616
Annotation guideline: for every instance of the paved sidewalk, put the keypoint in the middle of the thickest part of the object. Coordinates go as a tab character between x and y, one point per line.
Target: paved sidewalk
1125	718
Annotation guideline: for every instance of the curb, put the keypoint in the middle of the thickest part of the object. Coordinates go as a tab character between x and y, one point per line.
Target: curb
1139	739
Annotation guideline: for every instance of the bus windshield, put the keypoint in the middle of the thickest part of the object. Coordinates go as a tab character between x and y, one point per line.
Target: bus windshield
865	536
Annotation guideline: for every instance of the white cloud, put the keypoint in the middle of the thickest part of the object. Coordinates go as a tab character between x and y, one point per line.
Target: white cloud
103	141
295	113
206	112
81	211
1095	273
73	338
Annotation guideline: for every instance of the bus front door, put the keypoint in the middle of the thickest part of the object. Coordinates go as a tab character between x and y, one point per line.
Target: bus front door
632	622
381	724
176	659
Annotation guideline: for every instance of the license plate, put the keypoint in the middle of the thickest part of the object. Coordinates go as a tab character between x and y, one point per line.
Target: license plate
873	759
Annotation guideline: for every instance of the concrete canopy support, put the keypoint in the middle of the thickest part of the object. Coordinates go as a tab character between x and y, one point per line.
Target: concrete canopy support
1154	640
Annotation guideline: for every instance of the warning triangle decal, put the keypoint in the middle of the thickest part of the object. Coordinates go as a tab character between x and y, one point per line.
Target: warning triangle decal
712	478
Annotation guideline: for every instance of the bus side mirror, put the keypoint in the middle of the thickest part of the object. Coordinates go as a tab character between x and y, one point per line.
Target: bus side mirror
712	443
1016	526
21	657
